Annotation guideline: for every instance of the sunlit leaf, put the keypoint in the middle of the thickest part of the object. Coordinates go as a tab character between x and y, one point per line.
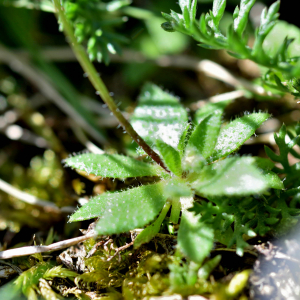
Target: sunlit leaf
131	209
205	135
159	116
235	176
123	211
241	18
236	133
112	165
218	9
210	108
171	157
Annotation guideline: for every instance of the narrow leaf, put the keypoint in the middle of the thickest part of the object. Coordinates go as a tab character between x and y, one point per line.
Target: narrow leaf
112	165
235	176
210	108
218	10
171	157
186	16
236	133
193	10
123	211
177	17
167	17
202	25
175	211
152	230
184	3
183	140
270	15
272	155
159	116
205	135
241	20
195	239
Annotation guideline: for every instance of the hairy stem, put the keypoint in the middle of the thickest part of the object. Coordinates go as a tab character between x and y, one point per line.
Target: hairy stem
99	85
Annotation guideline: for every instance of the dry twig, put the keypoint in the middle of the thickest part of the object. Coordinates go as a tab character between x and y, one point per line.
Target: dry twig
24	251
30	199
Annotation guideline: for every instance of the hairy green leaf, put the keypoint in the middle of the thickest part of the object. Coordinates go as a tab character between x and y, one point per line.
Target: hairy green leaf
183	140
210	108
236	133
150	232
123	211
112	165
177	187
205	135
195	239
235	176
131	209
159	116
171	157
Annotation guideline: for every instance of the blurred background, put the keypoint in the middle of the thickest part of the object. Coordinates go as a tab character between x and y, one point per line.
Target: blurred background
49	109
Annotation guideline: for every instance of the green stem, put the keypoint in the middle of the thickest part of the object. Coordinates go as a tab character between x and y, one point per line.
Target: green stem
175	211
98	84
152	230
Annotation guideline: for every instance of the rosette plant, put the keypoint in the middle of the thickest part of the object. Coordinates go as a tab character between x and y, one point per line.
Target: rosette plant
199	167
199	180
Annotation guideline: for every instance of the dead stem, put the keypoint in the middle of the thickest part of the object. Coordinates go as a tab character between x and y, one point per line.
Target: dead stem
24	251
30	199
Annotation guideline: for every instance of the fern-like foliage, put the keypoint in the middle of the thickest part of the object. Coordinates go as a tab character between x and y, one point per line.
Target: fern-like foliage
287	201
284	70
94	23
